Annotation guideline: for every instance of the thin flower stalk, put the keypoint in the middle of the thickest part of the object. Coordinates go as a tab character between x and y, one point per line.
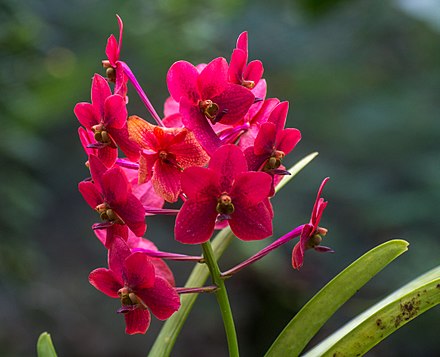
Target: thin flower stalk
262	253
128	72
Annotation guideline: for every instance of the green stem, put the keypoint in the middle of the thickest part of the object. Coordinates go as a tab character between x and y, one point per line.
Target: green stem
222	299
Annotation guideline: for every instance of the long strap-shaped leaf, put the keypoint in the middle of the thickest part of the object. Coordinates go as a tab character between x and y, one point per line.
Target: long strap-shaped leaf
375	324
327	301
167	337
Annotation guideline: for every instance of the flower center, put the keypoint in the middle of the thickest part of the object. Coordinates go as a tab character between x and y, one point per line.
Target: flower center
110	72
127	296
274	161
101	134
224	205
107	214
209	109
248	84
169	159
316	238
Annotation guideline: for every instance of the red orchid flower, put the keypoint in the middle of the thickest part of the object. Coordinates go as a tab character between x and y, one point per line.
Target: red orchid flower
241	72
167	152
311	235
207	97
133	279
106	117
272	143
110	195
225	190
114	70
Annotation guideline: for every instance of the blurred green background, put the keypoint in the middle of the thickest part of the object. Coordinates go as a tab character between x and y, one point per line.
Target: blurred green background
363	80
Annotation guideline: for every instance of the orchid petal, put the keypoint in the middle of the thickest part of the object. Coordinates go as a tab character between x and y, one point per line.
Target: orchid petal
90	193
278	116
250	188
228	161
137	321
105	281
266	139
86	115
182	81
166	181
199	183
162	299
234	101
195	221
287	139
100	92
117	253
251	223
213	79
115	112
236	66
115	186
195	121
138	272
132	213
254	71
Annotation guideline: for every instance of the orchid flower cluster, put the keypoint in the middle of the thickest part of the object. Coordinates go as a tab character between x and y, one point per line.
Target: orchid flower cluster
218	152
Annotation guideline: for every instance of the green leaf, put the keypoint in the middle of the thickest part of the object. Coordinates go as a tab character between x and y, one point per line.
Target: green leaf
391	313
167	337
45	346
327	301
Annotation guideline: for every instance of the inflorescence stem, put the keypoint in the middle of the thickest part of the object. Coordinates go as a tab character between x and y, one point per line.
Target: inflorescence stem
280	241
222	299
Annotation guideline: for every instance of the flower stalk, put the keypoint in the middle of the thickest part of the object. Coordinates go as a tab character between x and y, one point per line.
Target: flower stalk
222	299
263	252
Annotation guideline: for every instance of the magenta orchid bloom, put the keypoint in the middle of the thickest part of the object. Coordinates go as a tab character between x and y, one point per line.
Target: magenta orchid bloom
114	70
133	279
110	195
272	143
226	190
311	234
106	117
167	152
241	72
207	98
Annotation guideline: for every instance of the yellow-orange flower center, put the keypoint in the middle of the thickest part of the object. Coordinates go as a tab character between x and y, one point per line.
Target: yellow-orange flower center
274	161
101	134
209	109
224	205
107	214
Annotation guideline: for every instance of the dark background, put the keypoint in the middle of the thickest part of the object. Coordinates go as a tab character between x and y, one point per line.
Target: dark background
363	81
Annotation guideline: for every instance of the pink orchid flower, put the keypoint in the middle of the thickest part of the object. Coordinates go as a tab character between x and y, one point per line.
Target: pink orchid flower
311	234
226	190
241	72
207	97
272	143
133	279
114	70
167	152
106	117
110	195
